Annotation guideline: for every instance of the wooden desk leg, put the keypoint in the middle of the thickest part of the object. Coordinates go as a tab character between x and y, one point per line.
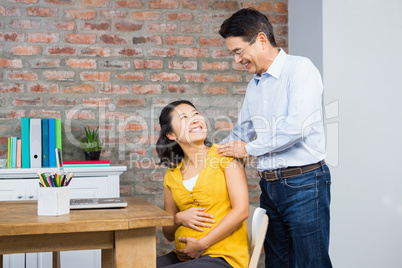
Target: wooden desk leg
56	259
135	248
1	261
107	258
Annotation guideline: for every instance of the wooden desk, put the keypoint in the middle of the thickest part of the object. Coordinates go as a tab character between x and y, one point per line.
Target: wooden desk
126	236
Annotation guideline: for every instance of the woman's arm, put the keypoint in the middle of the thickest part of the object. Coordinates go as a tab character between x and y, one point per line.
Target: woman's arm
238	192
192	217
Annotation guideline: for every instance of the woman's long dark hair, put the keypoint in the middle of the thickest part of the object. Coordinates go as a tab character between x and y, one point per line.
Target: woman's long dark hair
169	151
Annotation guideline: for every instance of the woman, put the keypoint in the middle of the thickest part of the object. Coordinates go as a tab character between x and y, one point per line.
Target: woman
206	193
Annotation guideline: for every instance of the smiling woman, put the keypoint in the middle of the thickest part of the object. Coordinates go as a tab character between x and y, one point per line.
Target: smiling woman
206	193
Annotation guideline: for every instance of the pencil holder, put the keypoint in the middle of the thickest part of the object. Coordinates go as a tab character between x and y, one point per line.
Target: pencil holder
53	201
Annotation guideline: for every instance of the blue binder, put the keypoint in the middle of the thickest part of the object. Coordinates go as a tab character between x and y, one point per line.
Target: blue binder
45	142
25	147
52	142
13	152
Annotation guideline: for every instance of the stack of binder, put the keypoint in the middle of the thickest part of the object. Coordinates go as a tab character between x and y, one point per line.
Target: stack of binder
36	148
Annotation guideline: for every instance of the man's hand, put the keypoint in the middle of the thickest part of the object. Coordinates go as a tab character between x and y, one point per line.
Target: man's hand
194	217
234	149
193	249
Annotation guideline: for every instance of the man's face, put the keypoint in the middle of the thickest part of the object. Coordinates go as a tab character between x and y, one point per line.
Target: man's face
250	57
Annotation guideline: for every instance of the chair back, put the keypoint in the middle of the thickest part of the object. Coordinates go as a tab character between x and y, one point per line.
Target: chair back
257	224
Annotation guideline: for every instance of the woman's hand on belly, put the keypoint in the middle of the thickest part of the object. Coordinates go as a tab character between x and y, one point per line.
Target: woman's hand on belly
194	218
193	250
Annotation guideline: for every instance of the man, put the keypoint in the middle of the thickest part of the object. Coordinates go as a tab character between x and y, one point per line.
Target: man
281	123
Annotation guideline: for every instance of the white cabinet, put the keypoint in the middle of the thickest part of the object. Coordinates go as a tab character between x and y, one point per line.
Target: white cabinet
22	184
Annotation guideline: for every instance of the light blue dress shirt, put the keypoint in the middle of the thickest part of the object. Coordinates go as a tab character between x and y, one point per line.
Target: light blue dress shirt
281	118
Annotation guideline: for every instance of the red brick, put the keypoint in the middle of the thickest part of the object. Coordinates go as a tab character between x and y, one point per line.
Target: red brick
128	52
228	5
97	101
165	77
192	28
26	76
228	78
278	19
148	64
240	90
133	127
11	37
147	15
183	16
75	114
131	76
60	2
6	63
112	14
130	102
128	27
176	40
147	89
26	50
42	12
112	115
41	88
193	52
162	27
83	88
81	63
281	42
162	52
17	88
195	77
10	11
60	25
43	37
196	4
61	51
282	31
25	24
216	42
172	88
80	14
130	3
96	51
238	66
113	39
223	125
156	40
96	3
59	75
45	63
281	7
164	4
27	101
92	26
95	76
215	90
115	89
14	114
221	53
183	65
80	38
215	66
262	7
62	102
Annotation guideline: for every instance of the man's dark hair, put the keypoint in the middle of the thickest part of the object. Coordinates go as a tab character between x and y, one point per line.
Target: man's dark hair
247	23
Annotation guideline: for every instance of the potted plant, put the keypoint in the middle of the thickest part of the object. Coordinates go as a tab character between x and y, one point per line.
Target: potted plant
91	144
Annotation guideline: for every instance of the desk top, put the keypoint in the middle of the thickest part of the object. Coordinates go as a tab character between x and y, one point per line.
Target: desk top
20	218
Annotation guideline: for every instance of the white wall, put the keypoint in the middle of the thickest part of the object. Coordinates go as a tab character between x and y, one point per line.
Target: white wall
362	62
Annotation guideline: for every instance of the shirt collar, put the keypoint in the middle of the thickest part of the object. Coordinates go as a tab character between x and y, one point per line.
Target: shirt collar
275	68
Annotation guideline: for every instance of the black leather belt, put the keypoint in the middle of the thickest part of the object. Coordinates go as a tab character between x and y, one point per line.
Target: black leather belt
272	175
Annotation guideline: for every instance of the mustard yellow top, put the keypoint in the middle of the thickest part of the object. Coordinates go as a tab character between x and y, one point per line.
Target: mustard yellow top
210	192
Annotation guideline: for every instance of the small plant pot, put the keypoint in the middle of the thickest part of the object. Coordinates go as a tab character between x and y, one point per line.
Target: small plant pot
92	155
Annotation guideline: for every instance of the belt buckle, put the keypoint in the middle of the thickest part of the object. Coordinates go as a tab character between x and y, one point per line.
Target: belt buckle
266	174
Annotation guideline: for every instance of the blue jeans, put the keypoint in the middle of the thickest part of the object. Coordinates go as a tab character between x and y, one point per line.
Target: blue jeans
298	211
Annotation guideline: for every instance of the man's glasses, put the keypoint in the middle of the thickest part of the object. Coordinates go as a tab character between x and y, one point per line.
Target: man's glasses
238	53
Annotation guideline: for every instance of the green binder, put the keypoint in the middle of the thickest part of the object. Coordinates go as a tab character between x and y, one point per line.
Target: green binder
58	133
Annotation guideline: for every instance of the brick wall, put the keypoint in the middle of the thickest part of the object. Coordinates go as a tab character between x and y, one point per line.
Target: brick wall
116	64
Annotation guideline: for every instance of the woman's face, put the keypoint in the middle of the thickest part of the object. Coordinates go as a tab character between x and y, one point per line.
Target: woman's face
188	125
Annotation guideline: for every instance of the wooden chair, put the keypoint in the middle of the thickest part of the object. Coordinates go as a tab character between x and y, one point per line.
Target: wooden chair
257	224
